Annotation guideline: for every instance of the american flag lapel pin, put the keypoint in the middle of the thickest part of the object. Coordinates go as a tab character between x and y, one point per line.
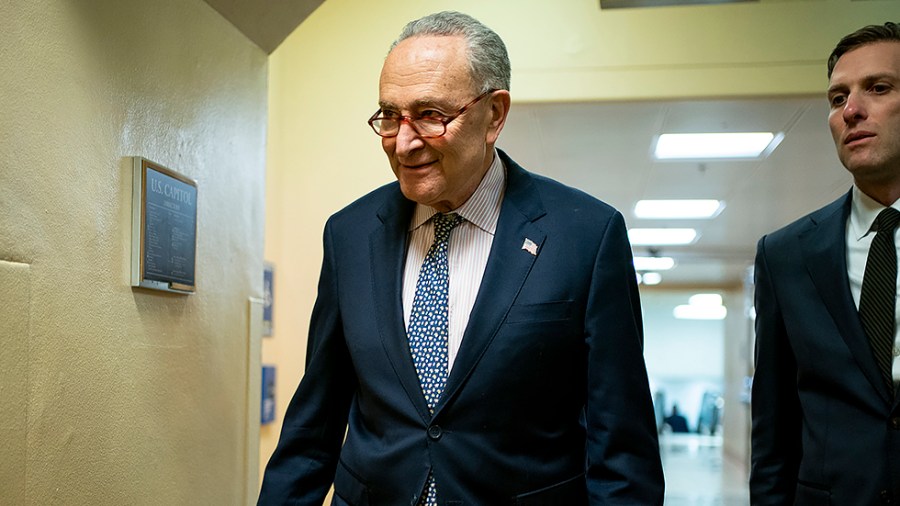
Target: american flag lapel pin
530	246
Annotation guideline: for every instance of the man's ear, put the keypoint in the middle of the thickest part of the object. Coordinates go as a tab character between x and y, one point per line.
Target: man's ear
499	110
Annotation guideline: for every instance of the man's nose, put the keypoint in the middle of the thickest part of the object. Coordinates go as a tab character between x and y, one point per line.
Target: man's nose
855	108
407	138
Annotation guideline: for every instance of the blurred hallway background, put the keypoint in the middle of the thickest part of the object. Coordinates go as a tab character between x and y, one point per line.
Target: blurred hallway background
698	474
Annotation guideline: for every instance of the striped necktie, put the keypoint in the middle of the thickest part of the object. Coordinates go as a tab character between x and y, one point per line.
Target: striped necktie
878	296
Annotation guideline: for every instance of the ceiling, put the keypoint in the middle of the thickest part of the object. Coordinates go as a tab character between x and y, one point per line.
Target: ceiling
266	23
630	4
605	150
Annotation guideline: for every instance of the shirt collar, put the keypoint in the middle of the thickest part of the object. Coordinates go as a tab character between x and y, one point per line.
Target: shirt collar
483	207
863	211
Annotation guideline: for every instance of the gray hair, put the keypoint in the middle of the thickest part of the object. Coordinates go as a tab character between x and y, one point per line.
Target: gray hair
488	61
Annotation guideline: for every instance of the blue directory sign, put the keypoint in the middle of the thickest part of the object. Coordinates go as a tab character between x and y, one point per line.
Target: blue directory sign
268	292
267	414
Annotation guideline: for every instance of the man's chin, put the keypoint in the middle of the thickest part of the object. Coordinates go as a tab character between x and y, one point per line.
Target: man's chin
416	193
861	166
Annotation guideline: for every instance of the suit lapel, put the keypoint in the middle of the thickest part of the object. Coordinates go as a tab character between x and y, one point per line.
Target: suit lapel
388	245
824	248
507	268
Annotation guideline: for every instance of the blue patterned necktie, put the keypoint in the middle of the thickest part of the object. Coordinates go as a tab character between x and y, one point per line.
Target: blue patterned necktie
428	322
878	294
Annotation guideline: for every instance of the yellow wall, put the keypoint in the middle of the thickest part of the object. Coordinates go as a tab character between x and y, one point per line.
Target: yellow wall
738	367
323	85
111	395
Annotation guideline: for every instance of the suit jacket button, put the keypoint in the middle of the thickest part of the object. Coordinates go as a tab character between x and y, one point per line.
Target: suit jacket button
435	432
895	422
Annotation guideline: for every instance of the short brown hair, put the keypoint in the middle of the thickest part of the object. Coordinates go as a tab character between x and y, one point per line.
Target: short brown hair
866	35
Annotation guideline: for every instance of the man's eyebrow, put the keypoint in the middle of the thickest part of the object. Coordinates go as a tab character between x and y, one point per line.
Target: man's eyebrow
416	104
834	88
881	76
385	105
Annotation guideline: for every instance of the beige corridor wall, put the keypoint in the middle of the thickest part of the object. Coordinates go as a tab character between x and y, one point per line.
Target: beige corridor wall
111	395
323	86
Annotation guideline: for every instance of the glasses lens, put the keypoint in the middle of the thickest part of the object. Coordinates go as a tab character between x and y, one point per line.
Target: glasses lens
390	127
386	126
429	127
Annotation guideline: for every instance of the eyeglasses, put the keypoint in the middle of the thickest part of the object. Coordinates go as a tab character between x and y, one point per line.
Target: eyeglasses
427	127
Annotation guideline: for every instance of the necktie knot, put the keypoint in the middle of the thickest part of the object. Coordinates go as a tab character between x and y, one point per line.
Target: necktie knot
444	224
887	220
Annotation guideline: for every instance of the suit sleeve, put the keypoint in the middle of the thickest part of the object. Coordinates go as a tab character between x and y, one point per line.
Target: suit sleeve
775	406
622	448
302	467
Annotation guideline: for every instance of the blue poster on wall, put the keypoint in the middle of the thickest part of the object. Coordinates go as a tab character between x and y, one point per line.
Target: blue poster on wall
268	291
268	394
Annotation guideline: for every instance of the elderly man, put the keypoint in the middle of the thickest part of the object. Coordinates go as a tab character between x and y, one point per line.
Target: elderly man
477	332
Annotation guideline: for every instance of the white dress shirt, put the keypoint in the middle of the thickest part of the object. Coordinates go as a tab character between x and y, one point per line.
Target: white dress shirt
863	211
470	245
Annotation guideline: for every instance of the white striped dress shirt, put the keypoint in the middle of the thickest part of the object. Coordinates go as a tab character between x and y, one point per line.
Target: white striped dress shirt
470	245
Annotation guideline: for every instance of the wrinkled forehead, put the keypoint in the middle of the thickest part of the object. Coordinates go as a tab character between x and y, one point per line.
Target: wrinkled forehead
426	68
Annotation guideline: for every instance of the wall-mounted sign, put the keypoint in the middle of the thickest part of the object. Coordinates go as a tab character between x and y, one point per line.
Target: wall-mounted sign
163	229
267	413
269	292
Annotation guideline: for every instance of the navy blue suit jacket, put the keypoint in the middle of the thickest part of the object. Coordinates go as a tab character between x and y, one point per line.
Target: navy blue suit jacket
547	402
825	427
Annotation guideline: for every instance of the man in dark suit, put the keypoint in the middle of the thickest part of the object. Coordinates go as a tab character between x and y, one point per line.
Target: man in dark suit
826	417
676	422
477	331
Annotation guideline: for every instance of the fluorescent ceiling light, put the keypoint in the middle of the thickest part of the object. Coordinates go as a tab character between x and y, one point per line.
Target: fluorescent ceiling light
715	145
705	299
630	4
651	278
678	209
661	236
702	306
689	312
653	263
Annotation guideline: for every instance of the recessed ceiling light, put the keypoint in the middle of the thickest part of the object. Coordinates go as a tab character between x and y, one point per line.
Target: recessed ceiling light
619	4
651	278
705	299
690	312
653	263
678	209
702	306
716	145
661	236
